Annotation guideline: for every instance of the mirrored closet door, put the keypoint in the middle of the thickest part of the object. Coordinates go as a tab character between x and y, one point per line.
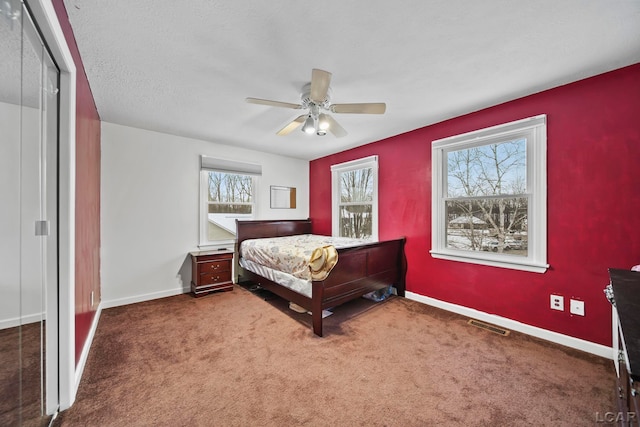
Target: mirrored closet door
28	225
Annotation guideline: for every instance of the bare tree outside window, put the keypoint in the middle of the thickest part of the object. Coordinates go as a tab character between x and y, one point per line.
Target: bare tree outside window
486	198
356	203
230	193
229	196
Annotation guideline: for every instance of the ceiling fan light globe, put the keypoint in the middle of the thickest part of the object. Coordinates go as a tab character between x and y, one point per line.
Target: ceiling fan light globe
323	122
309	126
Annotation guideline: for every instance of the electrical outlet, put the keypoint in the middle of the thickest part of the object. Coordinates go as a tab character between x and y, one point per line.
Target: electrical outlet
557	302
576	307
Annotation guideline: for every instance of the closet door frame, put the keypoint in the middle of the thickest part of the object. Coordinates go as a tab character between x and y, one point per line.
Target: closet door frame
61	391
39	202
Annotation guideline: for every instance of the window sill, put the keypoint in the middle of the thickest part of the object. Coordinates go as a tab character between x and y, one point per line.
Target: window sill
216	246
493	261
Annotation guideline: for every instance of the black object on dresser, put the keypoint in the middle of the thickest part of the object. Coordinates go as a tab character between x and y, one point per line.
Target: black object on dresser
211	271
624	294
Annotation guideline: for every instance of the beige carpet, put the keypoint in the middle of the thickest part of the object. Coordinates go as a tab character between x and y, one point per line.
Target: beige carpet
234	359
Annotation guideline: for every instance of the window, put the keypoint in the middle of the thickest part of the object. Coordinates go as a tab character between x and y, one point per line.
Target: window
355	198
489	196
227	193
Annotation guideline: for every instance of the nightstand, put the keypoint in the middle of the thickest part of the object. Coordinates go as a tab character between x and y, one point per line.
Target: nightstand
211	271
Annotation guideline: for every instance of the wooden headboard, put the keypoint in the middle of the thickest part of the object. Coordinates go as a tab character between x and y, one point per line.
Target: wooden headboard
270	228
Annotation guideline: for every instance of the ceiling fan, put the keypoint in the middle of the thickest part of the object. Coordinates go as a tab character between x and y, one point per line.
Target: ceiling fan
316	98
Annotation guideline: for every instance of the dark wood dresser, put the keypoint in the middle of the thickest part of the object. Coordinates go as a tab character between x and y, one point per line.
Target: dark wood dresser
211	271
624	294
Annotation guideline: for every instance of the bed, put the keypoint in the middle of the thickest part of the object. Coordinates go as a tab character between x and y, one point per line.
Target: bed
359	270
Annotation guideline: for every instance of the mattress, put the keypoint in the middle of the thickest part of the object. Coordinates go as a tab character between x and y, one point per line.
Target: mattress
296	284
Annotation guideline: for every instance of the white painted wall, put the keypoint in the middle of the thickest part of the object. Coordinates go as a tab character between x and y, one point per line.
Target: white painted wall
150	207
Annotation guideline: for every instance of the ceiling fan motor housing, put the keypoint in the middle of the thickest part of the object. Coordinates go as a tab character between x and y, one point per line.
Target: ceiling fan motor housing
306	102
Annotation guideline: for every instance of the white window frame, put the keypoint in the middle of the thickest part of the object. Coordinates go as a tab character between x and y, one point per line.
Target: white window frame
336	170
210	164
535	129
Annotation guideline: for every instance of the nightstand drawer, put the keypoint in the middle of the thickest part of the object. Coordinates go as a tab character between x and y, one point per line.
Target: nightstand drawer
214	277
214	266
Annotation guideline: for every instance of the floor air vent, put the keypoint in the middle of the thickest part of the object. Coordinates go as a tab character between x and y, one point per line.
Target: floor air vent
488	327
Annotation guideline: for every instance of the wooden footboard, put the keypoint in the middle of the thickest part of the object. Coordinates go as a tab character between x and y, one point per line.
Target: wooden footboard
359	270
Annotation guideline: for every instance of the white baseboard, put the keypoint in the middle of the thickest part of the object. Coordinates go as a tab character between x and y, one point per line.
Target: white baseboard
24	320
144	297
565	340
85	351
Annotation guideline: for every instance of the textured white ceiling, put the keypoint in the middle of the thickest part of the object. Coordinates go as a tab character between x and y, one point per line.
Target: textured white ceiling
185	67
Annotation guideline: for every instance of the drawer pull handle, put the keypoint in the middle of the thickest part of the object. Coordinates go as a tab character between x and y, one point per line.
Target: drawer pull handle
216	266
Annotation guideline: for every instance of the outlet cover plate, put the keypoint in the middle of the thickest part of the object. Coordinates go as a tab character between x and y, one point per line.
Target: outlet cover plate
576	307
557	302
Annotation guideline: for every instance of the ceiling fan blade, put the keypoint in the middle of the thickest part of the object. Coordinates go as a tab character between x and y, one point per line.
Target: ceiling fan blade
292	126
337	130
273	103
370	108
319	85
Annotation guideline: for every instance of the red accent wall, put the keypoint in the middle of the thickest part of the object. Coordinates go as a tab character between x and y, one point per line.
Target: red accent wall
593	149
87	227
